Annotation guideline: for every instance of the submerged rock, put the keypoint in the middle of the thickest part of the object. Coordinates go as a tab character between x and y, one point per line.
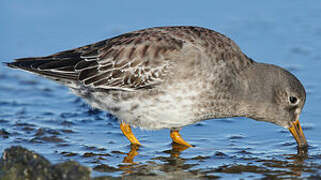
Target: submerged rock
19	163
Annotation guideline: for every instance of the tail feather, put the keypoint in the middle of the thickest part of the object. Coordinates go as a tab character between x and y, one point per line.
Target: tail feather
50	67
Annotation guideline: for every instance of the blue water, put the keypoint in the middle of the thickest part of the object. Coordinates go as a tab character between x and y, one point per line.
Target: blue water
47	118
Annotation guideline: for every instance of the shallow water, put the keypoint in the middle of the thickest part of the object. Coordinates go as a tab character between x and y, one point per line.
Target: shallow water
43	116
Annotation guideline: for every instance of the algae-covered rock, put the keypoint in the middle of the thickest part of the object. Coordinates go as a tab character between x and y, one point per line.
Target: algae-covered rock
19	163
71	170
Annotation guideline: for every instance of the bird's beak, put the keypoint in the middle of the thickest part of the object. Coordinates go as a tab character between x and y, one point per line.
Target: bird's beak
297	133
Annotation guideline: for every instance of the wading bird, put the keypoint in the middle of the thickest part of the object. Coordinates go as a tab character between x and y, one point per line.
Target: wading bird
170	77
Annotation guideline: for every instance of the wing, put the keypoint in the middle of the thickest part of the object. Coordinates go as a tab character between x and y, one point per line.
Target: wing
130	61
139	59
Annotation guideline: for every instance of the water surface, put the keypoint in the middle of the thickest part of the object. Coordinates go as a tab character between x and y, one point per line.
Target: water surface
45	117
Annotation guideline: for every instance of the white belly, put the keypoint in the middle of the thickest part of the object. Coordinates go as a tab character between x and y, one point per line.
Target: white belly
172	109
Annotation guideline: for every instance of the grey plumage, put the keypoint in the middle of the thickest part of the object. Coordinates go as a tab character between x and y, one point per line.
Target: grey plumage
169	77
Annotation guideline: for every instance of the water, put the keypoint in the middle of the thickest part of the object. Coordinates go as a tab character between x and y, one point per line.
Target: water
43	116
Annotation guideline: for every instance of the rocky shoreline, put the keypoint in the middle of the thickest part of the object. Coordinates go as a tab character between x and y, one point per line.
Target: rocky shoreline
20	163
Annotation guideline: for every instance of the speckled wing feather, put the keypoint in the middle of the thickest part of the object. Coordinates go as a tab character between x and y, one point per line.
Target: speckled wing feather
128	62
139	59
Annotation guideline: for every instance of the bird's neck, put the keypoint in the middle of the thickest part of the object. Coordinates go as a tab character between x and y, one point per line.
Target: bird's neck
237	95
254	91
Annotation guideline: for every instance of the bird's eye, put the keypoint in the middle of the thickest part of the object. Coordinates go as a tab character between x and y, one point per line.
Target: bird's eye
293	100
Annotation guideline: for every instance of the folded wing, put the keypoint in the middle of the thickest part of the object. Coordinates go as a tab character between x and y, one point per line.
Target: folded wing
127	62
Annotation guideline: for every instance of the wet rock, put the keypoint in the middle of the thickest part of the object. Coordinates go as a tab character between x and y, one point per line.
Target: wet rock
91	154
93	148
2	120
218	153
52	139
24	125
67	131
236	136
88	154
27	129
200	158
240	169
43	131
69	154
105	168
66	123
4	133
19	163
71	170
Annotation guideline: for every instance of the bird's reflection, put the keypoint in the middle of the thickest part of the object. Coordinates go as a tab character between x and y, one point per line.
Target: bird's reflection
174	160
292	164
174	152
297	163
131	155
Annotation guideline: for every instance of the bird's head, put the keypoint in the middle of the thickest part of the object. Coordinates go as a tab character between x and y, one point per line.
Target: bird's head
277	96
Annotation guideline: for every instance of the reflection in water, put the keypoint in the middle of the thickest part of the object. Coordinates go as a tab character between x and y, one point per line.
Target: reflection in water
175	152
173	163
42	116
298	161
132	153
291	165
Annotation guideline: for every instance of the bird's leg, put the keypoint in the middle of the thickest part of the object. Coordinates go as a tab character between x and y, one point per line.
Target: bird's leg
176	137
127	131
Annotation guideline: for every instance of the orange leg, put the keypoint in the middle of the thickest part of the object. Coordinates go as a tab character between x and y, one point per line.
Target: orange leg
127	131
176	137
